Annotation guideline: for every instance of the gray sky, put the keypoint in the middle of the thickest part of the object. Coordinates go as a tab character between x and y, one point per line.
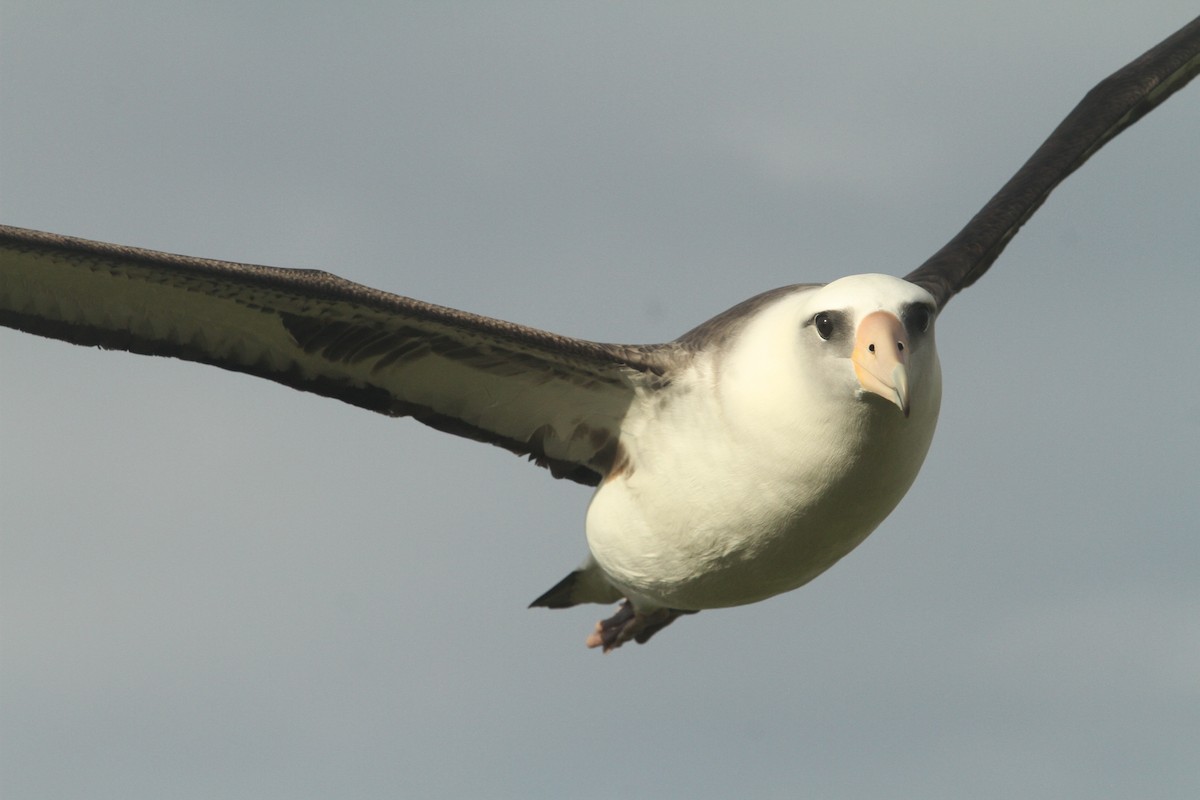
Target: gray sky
213	586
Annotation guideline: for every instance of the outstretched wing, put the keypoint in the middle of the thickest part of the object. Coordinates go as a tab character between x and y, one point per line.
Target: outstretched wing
1113	105
557	399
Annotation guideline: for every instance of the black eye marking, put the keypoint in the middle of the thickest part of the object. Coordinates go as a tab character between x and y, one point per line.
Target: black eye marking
918	318
824	325
831	326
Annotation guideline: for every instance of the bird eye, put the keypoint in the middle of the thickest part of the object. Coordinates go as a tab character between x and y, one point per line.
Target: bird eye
824	325
919	318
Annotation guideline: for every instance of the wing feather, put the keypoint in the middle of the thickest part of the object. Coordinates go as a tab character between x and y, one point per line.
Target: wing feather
557	399
1113	105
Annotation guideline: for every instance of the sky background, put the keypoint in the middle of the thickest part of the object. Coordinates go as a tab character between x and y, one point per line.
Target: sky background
214	586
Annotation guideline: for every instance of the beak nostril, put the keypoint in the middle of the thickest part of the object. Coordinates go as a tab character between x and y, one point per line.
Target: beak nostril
871	348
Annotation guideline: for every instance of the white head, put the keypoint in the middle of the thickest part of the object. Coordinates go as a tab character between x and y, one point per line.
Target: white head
846	347
884	327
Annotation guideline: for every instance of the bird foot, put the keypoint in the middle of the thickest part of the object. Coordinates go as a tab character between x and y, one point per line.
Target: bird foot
629	624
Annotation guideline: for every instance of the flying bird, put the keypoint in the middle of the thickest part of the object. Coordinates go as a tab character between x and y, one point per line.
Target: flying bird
738	461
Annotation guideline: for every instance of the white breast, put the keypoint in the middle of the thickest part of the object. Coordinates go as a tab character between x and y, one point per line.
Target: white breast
753	475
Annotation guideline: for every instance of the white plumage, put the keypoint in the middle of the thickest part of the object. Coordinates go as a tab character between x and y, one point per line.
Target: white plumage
766	460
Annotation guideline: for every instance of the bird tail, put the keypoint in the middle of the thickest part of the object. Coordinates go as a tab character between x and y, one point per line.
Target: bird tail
585	585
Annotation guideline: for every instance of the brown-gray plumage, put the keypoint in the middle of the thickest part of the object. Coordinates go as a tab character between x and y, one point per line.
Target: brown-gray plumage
323	334
320	333
1113	105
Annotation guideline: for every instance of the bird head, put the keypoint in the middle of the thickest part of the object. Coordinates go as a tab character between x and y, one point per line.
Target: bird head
874	335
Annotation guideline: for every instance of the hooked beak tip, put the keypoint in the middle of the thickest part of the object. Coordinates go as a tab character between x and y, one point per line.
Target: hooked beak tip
893	387
900	389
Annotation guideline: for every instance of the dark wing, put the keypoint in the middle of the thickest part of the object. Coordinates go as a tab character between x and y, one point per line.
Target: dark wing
1112	106
559	400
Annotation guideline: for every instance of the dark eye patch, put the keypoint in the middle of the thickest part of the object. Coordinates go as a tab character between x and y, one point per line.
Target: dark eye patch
829	324
918	317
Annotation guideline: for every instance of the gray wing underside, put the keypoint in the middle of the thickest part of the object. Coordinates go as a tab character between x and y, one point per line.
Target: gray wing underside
556	399
1113	105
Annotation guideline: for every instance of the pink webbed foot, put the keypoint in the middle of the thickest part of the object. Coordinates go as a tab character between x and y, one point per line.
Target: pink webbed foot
629	624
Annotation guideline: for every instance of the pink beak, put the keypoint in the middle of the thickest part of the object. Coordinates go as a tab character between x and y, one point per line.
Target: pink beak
881	356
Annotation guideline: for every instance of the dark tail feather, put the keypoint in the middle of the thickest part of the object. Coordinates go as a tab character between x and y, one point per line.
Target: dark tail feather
559	595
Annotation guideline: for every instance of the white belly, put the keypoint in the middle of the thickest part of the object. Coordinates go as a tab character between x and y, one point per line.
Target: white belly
703	522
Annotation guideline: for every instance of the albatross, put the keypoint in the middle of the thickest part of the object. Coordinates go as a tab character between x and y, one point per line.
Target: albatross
734	463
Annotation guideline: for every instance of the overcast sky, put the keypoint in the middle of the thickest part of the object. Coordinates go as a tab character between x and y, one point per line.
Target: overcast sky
214	586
